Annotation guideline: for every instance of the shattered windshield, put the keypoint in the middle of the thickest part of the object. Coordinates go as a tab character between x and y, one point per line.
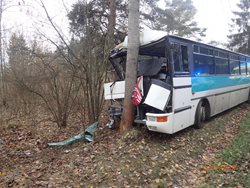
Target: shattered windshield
147	65
150	65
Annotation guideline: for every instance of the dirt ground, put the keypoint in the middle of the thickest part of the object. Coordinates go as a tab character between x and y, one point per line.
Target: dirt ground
137	159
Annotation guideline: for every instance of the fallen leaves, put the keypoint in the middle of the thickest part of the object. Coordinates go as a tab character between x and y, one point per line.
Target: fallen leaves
138	159
2	174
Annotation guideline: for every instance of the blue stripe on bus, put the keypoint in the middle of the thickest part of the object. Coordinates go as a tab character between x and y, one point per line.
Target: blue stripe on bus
216	82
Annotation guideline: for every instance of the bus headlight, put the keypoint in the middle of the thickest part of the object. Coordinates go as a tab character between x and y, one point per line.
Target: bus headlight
159	119
162	119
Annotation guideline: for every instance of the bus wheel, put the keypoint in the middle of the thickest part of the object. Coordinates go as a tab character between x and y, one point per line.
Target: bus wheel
200	115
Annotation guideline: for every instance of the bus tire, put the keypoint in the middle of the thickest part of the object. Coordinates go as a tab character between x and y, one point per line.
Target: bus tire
200	115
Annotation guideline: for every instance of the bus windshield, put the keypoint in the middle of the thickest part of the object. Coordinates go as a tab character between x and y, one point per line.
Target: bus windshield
147	65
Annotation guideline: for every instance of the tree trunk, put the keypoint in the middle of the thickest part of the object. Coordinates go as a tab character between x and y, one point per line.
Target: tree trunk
248	31
131	65
2	99
111	23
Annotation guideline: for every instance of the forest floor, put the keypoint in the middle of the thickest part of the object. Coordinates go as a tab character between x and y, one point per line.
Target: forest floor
137	159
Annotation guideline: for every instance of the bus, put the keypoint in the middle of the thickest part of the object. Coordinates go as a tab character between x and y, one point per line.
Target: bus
182	82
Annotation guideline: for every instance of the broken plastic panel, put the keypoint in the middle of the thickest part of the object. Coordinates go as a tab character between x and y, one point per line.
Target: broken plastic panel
158	95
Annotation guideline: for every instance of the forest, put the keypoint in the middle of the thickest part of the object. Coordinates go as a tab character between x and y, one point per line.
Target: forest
50	94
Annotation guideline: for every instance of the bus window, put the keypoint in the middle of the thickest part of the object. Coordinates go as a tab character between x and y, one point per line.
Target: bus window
184	55
234	57
223	54
176	57
180	57
248	67
204	50
243	68
242	58
196	49
221	66
216	53
203	65
234	67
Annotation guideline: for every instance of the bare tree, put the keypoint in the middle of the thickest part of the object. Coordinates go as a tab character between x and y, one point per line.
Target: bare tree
131	65
72	77
89	61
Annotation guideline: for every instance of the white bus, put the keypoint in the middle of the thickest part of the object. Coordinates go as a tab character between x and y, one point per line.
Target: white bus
182	82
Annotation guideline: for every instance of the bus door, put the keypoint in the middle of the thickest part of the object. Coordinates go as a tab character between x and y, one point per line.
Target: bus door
181	86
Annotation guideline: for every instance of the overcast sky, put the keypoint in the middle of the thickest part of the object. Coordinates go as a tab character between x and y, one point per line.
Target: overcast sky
215	15
27	16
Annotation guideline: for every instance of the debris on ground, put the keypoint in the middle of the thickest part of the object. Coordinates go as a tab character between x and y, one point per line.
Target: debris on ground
86	135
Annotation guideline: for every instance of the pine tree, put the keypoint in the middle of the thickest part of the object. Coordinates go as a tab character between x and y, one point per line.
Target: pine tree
176	17
131	65
240	40
17	50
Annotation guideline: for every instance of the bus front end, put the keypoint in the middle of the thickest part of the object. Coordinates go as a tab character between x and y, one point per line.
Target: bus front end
154	83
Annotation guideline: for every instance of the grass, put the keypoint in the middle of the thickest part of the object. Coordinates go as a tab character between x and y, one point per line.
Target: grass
232	166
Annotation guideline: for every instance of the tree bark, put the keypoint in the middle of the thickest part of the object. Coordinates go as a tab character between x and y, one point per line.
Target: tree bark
1	57
248	31
111	23
131	65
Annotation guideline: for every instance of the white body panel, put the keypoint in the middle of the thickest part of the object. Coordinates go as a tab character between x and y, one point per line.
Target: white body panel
182	103
182	120
181	96
114	90
157	97
163	127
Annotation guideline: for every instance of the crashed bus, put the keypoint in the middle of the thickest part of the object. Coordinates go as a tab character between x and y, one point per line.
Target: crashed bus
182	82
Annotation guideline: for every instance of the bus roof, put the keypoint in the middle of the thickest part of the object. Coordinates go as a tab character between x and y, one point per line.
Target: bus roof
204	44
150	38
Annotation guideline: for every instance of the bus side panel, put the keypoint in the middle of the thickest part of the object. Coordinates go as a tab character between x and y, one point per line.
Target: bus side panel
238	97
182	120
230	99
182	98
182	103
245	94
222	102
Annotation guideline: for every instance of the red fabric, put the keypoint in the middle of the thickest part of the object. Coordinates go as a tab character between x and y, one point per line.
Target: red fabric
137	95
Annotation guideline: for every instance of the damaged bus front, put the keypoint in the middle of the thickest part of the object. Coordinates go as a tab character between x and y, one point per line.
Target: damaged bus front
154	108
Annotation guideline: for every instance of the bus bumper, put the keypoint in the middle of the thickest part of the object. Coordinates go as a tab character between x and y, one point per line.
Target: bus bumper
160	122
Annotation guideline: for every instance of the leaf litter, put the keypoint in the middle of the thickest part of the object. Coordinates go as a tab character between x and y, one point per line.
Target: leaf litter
137	159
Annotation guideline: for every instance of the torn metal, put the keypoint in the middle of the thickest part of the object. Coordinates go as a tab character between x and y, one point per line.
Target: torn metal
86	135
